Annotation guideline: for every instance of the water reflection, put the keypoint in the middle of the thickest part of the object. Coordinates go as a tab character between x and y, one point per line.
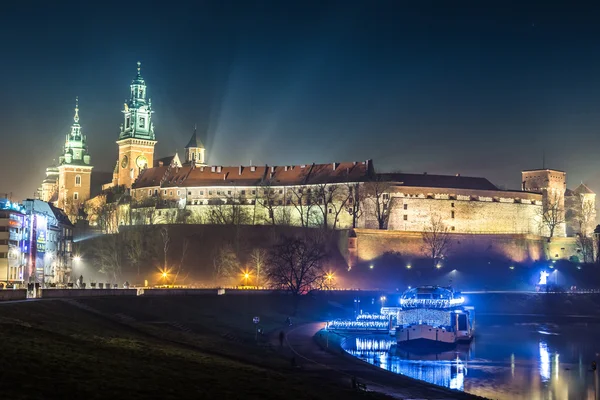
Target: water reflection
505	361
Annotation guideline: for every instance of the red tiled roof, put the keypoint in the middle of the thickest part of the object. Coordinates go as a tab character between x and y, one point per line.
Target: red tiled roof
188	176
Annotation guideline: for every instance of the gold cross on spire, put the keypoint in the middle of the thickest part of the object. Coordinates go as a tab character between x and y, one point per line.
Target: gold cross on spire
76	117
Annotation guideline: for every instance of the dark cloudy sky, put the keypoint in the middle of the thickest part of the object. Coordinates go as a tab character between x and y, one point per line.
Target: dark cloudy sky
443	87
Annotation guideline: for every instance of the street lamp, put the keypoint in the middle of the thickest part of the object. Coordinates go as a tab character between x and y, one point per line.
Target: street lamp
382	298
371	266
76	258
246	276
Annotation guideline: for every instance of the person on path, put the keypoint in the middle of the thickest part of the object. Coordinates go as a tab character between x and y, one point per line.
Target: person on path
281	336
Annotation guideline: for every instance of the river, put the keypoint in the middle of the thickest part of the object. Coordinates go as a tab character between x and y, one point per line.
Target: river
509	358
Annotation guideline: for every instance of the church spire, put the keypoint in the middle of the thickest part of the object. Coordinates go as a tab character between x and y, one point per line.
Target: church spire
76	117
194	150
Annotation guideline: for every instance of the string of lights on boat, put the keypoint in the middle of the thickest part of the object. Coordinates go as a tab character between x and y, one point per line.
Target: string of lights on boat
358	325
372	317
431	303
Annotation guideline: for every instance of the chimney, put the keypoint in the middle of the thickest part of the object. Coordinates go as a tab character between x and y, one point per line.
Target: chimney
272	169
252	168
334	165
457	174
303	166
354	163
201	169
240	170
219	169
286	168
224	176
160	163
213	168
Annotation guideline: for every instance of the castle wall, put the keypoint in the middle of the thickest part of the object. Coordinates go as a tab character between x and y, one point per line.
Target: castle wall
371	244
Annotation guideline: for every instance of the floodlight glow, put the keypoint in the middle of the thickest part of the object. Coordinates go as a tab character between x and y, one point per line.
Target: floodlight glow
408	266
543	278
371	266
438	266
76	258
164	274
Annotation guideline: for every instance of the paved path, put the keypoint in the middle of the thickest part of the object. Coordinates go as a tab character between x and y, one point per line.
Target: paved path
300	341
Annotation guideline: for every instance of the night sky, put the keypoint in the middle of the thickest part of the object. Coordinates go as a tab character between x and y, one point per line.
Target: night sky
431	86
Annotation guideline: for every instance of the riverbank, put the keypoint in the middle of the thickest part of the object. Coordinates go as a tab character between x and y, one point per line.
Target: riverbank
322	350
176	348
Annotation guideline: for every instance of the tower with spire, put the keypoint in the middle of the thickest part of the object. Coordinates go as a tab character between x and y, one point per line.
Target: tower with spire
194	151
136	139
74	170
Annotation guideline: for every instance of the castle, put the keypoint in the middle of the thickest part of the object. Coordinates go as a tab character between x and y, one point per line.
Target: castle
347	195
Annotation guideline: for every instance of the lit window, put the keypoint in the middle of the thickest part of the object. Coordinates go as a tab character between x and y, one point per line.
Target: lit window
77	180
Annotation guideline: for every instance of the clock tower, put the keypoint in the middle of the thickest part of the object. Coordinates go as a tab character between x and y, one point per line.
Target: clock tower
136	140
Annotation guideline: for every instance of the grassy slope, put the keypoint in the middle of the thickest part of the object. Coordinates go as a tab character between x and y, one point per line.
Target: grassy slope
54	350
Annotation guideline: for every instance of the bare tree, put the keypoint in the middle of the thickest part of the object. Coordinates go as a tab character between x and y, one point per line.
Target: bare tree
295	264
107	253
267	201
258	258
552	211
134	246
586	247
228	211
332	200
303	200
226	263
436	240
355	199
377	194
184	248
166	242
584	214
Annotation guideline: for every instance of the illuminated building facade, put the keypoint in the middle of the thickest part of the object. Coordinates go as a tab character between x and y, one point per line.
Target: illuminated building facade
68	185
48	237
13	221
136	139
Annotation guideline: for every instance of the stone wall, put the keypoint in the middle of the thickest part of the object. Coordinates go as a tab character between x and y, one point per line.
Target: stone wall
465	215
12	294
372	244
64	293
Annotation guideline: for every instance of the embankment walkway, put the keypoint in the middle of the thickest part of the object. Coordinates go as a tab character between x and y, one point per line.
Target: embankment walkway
309	355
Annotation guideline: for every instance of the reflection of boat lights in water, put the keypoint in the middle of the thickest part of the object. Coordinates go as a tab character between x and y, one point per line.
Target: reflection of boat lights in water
449	373
544	362
373	344
457	382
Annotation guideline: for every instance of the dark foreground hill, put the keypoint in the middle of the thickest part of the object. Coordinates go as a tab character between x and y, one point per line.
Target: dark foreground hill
167	348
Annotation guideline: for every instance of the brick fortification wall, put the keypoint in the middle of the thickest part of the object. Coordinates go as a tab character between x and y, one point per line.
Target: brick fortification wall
372	244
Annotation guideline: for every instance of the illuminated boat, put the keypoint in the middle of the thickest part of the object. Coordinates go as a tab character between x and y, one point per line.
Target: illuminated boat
432	316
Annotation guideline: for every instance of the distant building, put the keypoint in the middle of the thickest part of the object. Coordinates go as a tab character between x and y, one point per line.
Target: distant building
136	140
13	221
48	243
68	185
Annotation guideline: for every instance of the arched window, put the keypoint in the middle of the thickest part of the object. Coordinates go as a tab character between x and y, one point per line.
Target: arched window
75	196
77	180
